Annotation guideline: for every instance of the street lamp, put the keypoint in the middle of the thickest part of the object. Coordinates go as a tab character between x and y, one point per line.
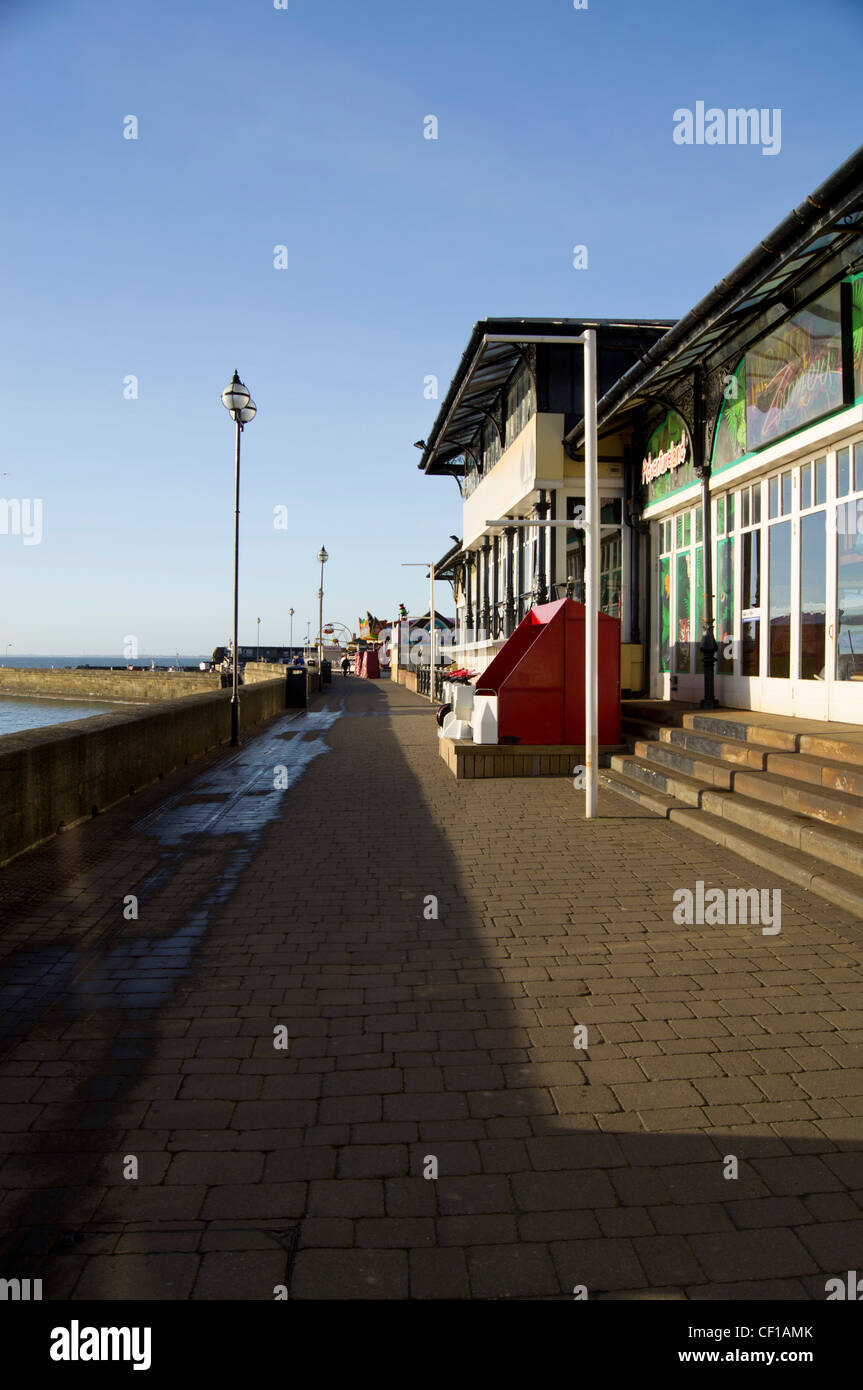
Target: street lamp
291	643
241	408
259	639
322	557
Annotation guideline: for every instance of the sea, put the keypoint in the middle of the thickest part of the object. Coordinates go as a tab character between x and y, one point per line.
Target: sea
18	712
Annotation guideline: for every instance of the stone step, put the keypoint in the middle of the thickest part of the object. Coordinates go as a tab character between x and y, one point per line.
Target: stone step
834	846
834	805
802	767
714	771
776	808
818	803
841	777
835	884
638	791
786	735
666	780
736	751
641	728
740	731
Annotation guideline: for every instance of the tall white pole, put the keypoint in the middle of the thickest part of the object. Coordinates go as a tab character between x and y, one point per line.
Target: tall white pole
591	577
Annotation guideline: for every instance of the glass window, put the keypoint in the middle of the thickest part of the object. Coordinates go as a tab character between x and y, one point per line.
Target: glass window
843	472
813	594
806	486
779	614
730	512
820	481
699	607
751	582
849	593
699	523
684	611
744	507
786	493
680	532
720	517
756	504
665	613
858	467
750	647
725	606
773	504
687	528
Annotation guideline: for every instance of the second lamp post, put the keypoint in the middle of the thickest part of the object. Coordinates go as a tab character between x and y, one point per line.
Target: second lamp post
323	557
241	408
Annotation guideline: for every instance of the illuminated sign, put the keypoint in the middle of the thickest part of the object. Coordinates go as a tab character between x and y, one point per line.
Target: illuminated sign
655	465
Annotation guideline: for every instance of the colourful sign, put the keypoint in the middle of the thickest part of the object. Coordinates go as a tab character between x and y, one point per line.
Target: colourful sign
667	465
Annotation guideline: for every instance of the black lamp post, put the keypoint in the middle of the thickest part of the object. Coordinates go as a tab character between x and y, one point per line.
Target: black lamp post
322	557
241	408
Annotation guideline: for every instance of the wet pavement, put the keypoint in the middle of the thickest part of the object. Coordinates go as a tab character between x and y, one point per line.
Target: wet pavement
302	1018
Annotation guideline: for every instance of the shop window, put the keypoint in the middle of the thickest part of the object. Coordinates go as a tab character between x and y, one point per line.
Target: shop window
806	487
820	481
684	611
843	472
725	606
750	602
665	613
858	467
779	602
519	405
699	607
745	517
849	592
720	517
813	594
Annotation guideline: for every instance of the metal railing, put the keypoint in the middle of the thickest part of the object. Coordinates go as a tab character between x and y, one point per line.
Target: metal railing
424	683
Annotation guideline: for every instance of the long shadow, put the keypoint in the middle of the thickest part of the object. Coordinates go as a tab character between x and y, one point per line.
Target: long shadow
429	947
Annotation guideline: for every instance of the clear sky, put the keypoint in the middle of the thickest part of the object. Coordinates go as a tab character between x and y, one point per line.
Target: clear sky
304	127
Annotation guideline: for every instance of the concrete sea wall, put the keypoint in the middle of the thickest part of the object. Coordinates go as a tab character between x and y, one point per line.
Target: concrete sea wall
52	777
133	687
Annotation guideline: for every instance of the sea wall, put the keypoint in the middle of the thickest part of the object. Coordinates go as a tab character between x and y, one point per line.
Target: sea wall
51	778
128	687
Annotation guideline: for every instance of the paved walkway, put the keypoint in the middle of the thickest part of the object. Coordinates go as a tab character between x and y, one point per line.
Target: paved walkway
159	1144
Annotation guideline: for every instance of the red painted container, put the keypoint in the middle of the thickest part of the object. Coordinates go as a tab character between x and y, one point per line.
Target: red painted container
538	677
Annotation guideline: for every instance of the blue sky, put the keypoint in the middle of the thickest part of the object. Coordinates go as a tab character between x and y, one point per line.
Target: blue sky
261	127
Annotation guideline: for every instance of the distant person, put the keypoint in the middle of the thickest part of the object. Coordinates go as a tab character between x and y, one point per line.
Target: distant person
345	665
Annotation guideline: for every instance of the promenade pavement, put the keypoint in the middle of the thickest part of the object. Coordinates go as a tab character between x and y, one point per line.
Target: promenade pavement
320	1041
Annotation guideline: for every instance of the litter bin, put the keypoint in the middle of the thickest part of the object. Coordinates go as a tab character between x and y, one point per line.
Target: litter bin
295	688
326	672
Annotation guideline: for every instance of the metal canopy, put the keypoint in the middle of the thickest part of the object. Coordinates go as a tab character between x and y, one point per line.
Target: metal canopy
816	244
485	368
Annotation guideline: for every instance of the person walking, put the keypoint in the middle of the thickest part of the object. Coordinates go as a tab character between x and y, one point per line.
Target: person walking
345	665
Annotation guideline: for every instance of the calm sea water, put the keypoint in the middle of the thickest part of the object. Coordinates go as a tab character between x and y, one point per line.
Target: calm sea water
87	659
18	714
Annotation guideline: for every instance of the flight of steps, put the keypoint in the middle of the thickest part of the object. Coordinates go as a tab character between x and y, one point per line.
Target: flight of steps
786	794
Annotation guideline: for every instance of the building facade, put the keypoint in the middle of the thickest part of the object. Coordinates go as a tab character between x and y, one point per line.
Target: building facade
731	482
501	434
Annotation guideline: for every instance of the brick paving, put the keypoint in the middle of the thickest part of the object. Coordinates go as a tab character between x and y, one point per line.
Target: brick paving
416	1043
